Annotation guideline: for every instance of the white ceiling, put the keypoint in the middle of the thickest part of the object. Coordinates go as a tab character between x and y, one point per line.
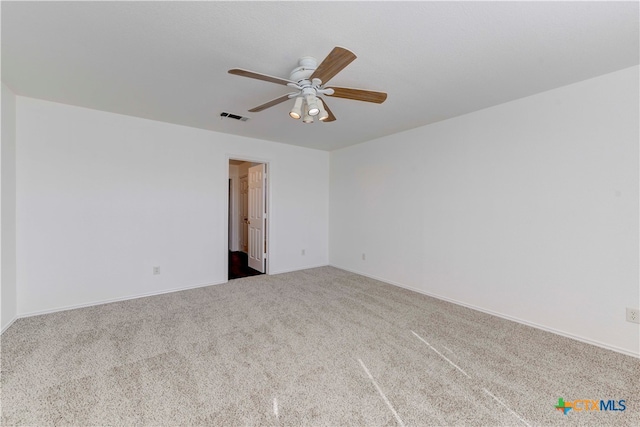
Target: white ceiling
168	61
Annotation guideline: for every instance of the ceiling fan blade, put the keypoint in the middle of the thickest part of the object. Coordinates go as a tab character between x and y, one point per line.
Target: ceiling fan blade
331	117
359	94
337	59
258	76
270	104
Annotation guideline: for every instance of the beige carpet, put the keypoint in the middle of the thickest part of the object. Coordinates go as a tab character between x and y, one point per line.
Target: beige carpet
309	348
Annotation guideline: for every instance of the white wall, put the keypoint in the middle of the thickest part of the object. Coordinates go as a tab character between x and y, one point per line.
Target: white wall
102	198
8	293
528	209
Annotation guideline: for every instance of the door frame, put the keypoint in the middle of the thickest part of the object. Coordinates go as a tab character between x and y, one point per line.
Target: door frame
269	224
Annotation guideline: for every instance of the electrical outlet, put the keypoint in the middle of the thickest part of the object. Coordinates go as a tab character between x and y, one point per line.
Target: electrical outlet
364	257
302	252
156	270
633	315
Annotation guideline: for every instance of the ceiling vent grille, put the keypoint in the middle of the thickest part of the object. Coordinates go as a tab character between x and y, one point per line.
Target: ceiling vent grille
233	116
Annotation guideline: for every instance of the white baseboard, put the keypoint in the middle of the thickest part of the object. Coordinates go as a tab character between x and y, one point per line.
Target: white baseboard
9	324
307	267
107	301
148	294
494	313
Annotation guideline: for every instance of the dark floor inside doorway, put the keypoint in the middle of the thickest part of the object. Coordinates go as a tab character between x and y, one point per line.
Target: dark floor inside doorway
239	266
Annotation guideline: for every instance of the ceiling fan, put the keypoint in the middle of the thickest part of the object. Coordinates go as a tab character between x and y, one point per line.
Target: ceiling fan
309	81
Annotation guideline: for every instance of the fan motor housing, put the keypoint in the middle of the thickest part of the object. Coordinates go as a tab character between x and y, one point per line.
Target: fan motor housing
306	66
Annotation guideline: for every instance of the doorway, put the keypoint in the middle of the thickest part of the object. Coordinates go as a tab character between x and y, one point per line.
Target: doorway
247	219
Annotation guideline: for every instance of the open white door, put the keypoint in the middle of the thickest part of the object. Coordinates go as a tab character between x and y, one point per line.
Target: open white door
257	217
243	215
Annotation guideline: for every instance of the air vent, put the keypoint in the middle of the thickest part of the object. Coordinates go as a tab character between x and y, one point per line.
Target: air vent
234	116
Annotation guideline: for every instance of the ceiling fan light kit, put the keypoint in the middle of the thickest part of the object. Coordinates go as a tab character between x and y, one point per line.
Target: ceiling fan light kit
296	111
307	119
323	113
309	79
312	106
